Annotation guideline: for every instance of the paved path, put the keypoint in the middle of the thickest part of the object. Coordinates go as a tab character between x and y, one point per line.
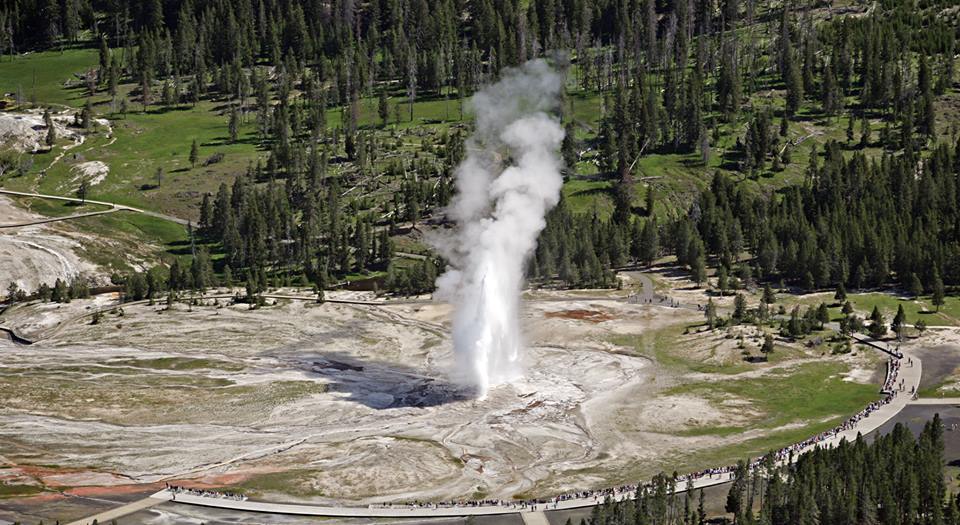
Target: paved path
130	508
534	518
911	378
114	206
936	401
57	219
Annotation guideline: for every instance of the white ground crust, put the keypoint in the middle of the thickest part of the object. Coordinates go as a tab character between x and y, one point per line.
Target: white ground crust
36	254
94	172
344	402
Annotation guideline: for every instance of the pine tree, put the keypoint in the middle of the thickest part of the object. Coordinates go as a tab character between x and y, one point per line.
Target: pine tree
899	321
86	115
841	294
699	270
927	108
728	85
823	315
916	287
383	108
146	92
194	153
234	124
830	97
768	296
568	149
878	326
792	77
767	348
938	291
82	190
51	137
739	307
649	242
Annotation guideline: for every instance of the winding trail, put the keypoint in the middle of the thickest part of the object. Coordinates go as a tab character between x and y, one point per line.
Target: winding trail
58	219
114	207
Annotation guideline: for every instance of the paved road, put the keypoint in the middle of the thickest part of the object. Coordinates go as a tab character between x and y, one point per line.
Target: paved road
936	401
534	518
112	205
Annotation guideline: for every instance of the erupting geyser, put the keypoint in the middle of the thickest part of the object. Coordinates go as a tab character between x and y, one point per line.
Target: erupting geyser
506	184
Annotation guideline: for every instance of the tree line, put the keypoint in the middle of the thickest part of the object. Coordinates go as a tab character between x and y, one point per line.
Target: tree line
671	74
895	479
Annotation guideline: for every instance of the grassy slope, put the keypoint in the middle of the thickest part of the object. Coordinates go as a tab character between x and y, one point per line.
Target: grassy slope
161	139
41	76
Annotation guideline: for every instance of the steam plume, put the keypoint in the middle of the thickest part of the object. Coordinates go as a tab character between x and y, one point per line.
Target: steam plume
506	184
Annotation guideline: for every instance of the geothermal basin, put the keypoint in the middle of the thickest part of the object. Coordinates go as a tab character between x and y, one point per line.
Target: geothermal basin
354	404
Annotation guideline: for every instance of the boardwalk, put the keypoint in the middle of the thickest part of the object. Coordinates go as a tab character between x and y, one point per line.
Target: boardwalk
119	512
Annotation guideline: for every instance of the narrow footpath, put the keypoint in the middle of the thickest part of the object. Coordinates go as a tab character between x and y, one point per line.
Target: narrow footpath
112	205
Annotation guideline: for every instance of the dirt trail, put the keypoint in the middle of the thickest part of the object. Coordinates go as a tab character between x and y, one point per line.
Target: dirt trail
115	206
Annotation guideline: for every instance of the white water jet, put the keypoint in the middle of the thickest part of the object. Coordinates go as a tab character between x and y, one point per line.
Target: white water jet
507	183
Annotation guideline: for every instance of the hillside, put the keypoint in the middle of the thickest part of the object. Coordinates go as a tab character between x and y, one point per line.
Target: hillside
309	143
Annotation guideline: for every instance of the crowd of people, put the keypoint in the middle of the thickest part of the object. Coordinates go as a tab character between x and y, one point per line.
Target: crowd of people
176	489
654	299
890	385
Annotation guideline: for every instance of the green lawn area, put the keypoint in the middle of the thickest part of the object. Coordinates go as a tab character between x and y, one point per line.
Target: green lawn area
40	76
661	346
752	448
55	208
810	393
863	303
150	141
131	230
585	196
922	308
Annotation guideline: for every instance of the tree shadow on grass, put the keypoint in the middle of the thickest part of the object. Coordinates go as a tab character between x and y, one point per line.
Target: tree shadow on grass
249	139
592	192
